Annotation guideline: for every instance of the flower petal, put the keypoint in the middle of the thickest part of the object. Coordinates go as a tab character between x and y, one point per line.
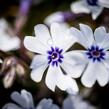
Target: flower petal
80	38
89	77
87	33
106	61
36	74
51	77
106	42
74	63
46	104
102	38
34	45
92	74
43	34
29	99
103	75
104	3
80	7
66	83
100	34
16	97
96	11
11	106
54	17
39	60
61	36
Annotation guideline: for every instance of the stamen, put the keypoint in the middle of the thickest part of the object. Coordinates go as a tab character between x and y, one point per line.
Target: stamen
95	53
55	56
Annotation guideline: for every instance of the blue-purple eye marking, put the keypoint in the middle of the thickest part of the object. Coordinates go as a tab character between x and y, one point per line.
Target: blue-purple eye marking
55	56
96	54
92	2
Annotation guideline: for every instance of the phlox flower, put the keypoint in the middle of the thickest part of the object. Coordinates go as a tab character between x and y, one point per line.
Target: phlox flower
51	47
24	100
95	57
95	7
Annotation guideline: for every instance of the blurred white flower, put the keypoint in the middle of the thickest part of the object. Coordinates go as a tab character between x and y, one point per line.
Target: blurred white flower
7	41
95	7
95	57
25	101
76	102
54	17
51	48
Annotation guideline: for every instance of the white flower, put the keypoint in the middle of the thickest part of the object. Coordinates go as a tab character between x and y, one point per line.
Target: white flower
56	17
25	101
7	42
76	102
51	48
95	7
95	59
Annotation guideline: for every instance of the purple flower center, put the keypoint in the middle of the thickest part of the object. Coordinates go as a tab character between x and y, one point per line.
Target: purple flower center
55	56
95	53
92	2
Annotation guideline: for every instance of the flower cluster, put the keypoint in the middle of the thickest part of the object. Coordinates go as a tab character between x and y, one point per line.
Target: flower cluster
64	65
25	101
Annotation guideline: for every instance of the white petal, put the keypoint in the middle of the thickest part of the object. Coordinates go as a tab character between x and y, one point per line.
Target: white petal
106	61
106	42
36	74
89	77
87	33
34	45
61	36
92	74
29	99
39	65
74	63
11	106
100	34
54	17
15	96
43	34
80	38
80	7
103	75
96	11
101	37
38	61
104	3
66	83
51	77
